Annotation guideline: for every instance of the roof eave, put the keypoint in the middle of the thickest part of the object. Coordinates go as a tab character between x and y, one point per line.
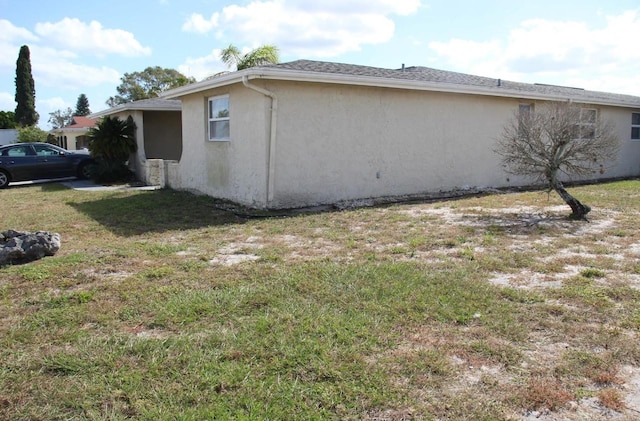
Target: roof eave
203	85
70	129
383	82
418	85
132	106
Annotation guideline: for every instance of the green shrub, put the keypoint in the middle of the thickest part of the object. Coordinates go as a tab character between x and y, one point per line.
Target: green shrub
111	143
32	134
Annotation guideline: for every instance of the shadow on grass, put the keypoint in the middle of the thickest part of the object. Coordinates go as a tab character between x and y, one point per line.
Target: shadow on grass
155	211
523	223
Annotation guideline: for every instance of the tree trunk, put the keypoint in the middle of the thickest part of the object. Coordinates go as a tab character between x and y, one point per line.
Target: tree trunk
580	211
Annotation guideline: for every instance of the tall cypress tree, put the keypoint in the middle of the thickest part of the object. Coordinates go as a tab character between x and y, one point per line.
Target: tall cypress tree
25	114
82	106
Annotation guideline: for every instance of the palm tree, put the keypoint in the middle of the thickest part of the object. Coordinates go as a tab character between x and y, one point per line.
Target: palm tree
111	143
266	54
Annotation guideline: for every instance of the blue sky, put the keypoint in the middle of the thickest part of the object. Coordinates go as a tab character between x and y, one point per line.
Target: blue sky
85	47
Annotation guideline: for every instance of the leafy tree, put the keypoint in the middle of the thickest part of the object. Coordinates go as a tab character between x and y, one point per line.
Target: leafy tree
32	134
82	106
61	118
147	84
111	142
558	139
266	54
8	120
25	113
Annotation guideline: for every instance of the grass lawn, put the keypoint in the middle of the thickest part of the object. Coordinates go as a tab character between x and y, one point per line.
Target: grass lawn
162	306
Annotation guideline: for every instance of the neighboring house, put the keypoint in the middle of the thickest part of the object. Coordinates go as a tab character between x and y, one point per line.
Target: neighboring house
8	136
158	135
306	132
74	136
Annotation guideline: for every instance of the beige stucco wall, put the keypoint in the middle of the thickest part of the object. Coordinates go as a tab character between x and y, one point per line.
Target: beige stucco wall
236	169
628	162
365	142
162	135
75	138
338	143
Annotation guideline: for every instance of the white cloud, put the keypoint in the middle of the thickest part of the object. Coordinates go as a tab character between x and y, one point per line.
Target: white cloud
11	37
197	23
49	105
203	67
56	68
561	52
398	7
11	33
7	101
321	29
93	38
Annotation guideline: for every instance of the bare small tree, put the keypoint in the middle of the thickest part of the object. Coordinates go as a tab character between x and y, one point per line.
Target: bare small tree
558	139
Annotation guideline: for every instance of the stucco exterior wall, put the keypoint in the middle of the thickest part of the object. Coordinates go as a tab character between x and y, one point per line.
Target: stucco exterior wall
234	170
72	139
338	142
628	162
162	135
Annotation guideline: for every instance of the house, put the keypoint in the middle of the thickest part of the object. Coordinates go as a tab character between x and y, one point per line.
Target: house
307	132
158	135
8	136
74	135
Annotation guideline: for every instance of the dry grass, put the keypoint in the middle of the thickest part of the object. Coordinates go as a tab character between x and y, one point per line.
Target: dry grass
161	305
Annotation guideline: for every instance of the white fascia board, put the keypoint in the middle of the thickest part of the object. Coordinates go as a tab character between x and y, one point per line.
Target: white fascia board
75	129
133	106
203	85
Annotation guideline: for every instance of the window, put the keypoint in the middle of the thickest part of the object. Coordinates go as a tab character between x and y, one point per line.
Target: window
44	150
587	125
219	118
18	151
525	112
635	126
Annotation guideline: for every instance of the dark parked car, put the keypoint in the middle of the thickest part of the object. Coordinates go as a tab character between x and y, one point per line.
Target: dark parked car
35	161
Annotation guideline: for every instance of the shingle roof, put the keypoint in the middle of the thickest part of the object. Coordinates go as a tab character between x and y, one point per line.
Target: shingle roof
151	104
81	122
426	74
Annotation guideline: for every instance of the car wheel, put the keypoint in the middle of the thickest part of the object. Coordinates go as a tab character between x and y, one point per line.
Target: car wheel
84	170
4	179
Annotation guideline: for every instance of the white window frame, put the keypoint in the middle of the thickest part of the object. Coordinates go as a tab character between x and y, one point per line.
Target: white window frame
213	119
635	126
584	124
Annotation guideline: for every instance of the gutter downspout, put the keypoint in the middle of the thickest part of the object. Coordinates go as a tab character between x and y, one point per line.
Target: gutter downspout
271	154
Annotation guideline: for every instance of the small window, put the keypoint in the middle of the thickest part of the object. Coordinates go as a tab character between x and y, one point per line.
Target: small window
587	126
219	118
19	151
525	112
635	126
44	150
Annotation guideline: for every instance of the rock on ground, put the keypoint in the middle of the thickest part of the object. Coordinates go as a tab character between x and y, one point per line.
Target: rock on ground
23	247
